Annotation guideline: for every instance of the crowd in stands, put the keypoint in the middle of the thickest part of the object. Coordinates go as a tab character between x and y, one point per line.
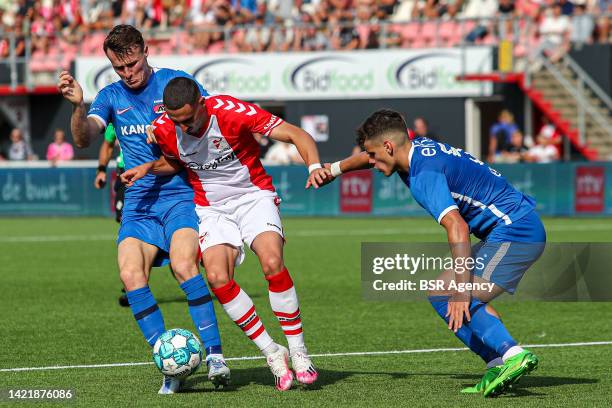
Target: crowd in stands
508	145
63	28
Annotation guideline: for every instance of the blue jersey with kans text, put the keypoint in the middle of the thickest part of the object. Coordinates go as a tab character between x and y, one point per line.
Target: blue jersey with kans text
131	112
442	178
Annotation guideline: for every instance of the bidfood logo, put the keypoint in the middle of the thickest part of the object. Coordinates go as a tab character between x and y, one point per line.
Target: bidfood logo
101	78
432	71
329	74
232	75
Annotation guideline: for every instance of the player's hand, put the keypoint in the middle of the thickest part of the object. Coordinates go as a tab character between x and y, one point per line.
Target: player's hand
130	176
319	178
458	309
150	135
100	180
70	88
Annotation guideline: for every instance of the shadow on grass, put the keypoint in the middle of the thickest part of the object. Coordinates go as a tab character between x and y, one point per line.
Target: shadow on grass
242	377
180	299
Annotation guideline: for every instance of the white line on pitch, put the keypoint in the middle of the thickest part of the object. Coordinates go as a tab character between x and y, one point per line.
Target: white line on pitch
348	354
302	233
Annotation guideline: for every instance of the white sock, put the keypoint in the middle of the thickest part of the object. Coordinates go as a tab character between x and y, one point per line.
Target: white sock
271	349
211	356
512	351
494	363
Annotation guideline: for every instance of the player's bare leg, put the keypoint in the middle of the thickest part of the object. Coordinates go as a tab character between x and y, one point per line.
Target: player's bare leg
184	250
284	301
219	261
135	261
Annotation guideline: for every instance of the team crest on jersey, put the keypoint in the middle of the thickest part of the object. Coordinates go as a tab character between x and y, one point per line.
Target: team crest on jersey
221	144
159	109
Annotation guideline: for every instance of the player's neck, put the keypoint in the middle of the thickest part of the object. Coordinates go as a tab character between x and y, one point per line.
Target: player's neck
403	157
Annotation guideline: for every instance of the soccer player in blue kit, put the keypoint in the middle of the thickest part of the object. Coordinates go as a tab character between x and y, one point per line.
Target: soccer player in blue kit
464	196
159	222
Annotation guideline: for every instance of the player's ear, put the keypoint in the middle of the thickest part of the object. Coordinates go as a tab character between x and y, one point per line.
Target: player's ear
388	145
145	51
202	100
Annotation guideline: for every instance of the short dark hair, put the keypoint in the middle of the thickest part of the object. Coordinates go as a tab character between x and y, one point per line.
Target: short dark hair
122	39
181	91
380	122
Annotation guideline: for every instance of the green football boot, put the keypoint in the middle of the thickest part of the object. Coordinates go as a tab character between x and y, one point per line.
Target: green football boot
512	370
486	379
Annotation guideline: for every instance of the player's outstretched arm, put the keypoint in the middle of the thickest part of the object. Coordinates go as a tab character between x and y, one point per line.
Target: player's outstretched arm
355	162
160	167
306	146
83	128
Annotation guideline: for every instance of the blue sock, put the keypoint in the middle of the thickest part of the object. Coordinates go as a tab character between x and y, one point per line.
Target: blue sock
147	313
203	313
489	329
465	334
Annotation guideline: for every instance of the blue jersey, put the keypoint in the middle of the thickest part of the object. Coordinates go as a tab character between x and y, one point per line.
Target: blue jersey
131	112
442	178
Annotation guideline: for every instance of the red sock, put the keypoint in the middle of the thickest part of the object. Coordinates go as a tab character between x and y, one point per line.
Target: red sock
286	307
240	308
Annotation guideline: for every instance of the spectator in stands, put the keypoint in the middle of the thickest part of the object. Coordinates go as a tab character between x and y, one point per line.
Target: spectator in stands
514	152
385	8
582	26
543	152
567	7
550	133
554	34
19	148
603	8
308	37
344	36
500	135
59	149
282	154
506	11
421	128
481	10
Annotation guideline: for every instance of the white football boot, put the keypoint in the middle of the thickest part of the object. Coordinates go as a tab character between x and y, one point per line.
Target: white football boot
218	371
170	385
279	365
303	367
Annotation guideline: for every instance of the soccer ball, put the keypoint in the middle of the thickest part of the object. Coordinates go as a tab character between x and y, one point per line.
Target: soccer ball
177	353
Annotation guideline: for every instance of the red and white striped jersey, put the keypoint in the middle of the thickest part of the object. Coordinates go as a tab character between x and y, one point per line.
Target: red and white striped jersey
223	162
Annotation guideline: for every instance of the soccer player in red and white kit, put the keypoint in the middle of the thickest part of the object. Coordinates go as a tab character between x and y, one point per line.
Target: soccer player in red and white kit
236	202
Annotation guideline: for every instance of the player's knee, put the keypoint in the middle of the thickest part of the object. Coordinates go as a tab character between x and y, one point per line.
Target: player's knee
184	269
132	278
492	311
271	265
216	279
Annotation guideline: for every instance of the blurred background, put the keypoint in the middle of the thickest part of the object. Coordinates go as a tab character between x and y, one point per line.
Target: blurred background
521	84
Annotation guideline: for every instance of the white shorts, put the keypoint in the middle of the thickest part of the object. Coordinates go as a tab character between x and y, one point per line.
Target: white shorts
239	221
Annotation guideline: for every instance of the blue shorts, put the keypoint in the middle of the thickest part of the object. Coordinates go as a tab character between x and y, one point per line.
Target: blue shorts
156	223
509	250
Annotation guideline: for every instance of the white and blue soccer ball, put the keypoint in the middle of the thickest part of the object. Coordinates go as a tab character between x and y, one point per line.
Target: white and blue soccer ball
177	353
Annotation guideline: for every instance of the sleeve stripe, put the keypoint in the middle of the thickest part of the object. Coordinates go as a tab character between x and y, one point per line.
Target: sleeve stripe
93	115
278	122
446	211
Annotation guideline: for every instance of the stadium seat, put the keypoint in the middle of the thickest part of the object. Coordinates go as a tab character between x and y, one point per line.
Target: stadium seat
428	33
216	48
409	33
448	33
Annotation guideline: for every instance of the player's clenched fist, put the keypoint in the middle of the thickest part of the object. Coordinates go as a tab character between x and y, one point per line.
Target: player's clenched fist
70	88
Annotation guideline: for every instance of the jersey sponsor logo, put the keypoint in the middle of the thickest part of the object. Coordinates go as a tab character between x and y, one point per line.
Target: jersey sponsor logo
213	164
236	107
122	111
221	144
133	130
159	109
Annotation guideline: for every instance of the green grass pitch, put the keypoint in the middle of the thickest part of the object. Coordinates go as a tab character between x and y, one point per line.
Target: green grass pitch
59	308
